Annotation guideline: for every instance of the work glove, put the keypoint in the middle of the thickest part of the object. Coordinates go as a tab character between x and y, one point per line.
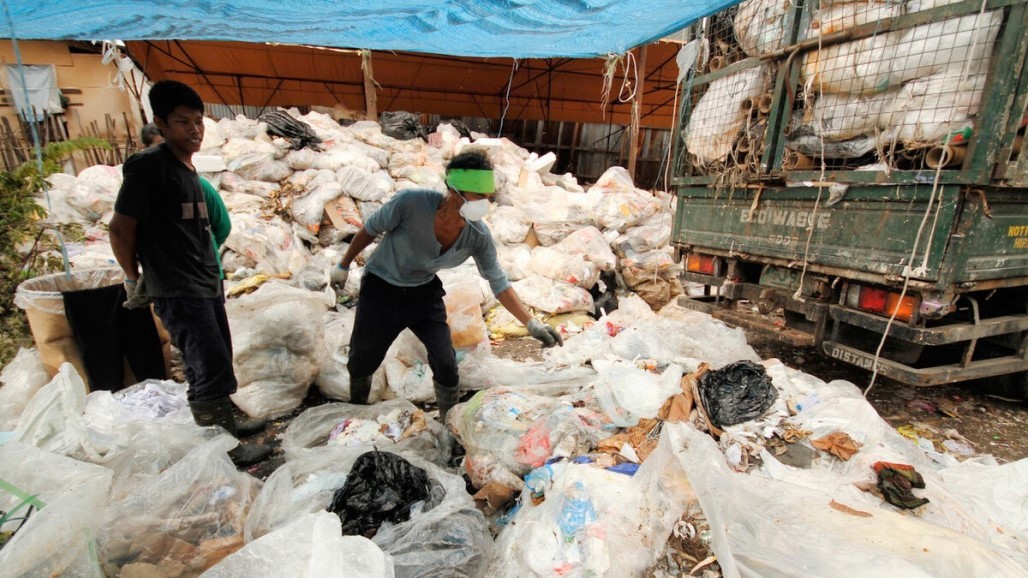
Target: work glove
337	278
136	296
546	335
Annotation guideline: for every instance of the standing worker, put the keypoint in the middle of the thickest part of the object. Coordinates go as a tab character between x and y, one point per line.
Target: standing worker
161	222
425	231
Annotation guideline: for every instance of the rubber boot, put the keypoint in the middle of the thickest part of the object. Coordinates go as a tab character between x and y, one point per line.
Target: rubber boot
219	412
446	398
247	427
360	389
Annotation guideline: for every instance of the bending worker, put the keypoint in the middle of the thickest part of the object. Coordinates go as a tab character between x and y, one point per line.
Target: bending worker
425	231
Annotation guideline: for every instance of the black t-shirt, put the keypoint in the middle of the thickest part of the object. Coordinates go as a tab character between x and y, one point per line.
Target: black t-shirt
173	235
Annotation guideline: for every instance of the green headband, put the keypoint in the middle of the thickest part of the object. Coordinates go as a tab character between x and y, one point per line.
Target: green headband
478	181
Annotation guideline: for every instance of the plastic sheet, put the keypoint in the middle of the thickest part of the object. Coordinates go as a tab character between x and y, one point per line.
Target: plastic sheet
310	547
278	346
187	519
22	378
56	540
797	522
311	432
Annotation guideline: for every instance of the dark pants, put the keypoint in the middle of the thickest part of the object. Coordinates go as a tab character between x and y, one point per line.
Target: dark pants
384	310
199	328
107	335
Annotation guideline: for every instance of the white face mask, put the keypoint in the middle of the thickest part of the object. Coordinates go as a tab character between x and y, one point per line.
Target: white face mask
474	210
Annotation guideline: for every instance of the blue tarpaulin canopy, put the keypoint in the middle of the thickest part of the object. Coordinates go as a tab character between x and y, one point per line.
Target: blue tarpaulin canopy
515	28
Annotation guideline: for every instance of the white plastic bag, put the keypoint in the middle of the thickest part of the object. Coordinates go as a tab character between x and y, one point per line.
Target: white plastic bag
589	243
506	225
718	117
278	346
312	546
362	185
628	394
21	378
568	267
553	296
53	420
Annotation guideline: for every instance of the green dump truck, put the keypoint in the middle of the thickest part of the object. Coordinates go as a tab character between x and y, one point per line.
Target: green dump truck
851	176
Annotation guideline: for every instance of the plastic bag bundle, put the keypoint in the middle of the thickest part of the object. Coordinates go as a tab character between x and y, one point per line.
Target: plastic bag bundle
514	260
590	244
267	245
463	301
718	117
621	210
56	506
95	191
506	225
312	546
736	393
362	185
564	266
507	432
402	125
553	296
309	209
760	25
298	133
260	167
579	520
396	423
927	110
654	233
278	346
964	43
21	378
182	522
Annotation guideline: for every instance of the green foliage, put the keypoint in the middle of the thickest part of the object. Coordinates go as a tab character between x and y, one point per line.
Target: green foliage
24	238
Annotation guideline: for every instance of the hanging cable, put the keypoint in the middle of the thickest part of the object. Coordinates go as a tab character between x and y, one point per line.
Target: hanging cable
506	105
35	136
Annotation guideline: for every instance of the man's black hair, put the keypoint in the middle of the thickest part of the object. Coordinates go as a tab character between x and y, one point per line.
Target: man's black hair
474	159
166	95
149	132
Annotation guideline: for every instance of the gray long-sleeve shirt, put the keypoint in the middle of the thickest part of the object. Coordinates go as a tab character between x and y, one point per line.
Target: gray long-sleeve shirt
410	255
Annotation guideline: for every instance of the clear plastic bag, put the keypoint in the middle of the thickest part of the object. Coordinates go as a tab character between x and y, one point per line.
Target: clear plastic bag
569	267
311	432
507	432
589	243
186	519
278	340
309	209
362	185
593	522
553	296
628	394
53	420
57	539
22	378
506	225
312	546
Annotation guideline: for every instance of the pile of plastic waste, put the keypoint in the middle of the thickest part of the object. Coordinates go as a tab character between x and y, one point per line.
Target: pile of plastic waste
646	428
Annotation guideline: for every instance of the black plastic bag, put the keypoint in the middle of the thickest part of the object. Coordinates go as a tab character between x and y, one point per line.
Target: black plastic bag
299	133
402	125
736	393
381	487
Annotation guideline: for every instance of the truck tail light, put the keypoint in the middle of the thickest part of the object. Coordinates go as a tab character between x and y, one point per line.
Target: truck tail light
700	264
882	302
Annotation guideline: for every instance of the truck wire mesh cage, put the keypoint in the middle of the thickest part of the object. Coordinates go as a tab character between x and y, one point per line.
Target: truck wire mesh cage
864	90
727	106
